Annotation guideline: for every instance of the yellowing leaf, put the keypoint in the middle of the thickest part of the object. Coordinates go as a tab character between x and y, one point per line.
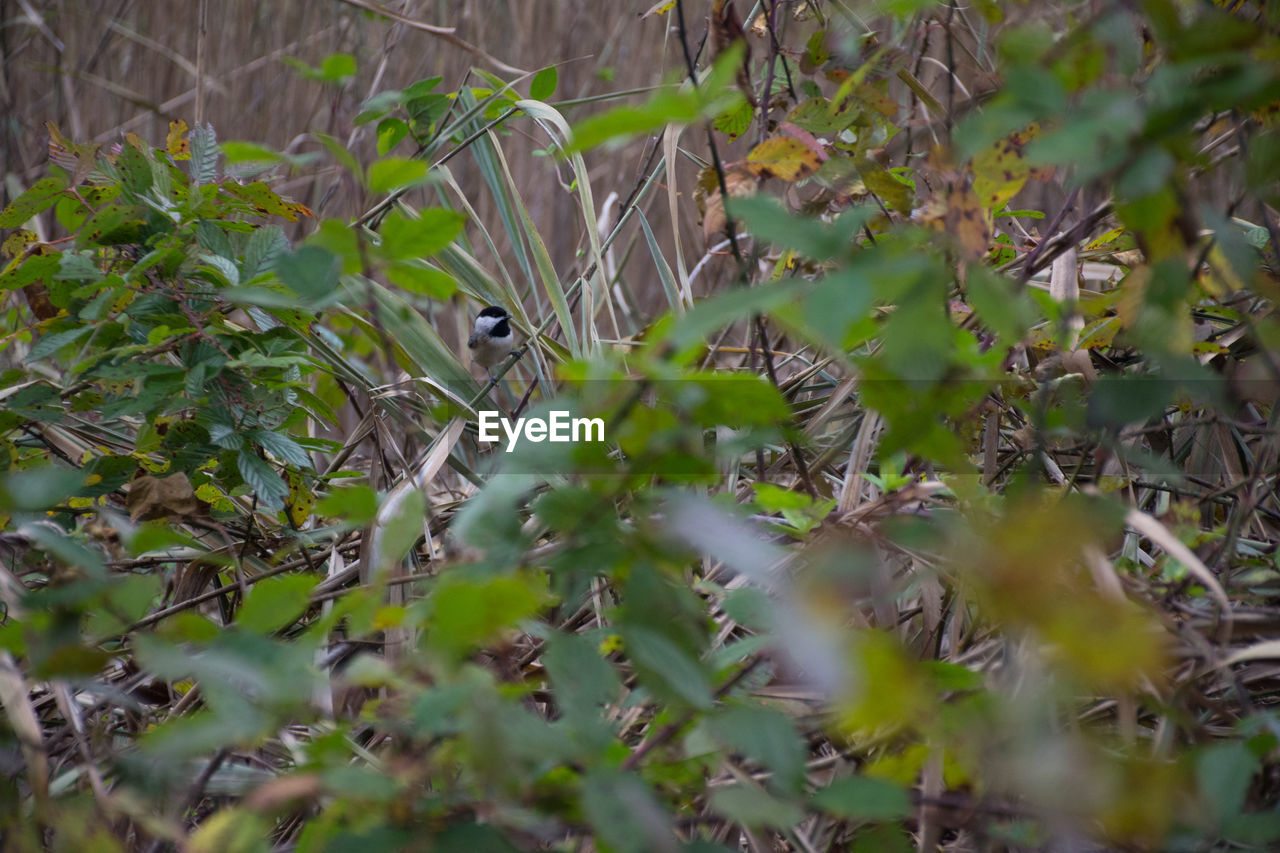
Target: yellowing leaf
781	157
17	242
176	143
893	192
300	501
660	8
1099	333
999	172
968	222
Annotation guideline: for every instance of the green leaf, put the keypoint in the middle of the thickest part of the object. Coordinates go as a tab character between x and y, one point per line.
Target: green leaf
1005	309
250	152
864	798
135	169
766	217
669	105
434	229
722	309
56	544
38	488
751	806
263	479
51	342
338	237
395	173
417	277
1224	773
204	155
263	247
40	196
1119	400
768	737
377	106
736	121
356	505
311	272
583	679
275	602
263	200
114	223
466	614
664	662
544	84
390	132
337	67
625	813
281	447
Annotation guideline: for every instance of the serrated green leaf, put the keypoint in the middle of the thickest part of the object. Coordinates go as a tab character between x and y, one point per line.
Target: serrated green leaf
40	196
204	155
50	343
263	479
281	447
263	247
311	272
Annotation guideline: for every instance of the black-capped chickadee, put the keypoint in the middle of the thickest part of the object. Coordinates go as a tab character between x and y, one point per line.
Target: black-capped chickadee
491	340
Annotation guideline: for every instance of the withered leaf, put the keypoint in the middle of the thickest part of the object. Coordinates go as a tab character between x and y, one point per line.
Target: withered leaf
968	222
783	157
163	497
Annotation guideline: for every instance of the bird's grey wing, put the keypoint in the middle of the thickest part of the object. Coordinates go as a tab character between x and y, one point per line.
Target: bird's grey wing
473	340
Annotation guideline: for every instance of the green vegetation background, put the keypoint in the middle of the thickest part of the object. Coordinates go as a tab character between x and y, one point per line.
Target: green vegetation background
938	507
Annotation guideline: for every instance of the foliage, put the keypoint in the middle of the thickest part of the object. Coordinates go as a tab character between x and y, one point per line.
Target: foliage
950	551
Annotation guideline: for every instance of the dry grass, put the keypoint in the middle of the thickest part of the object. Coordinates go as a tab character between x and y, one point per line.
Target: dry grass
101	68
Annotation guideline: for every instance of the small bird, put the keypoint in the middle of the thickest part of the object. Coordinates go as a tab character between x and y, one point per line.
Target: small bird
491	340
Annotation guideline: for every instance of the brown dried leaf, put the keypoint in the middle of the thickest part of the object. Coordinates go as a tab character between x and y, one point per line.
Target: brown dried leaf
38	301
284	790
77	159
737	180
726	30
163	497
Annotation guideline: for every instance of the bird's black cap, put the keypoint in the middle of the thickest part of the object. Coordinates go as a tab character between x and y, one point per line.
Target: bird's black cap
494	311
